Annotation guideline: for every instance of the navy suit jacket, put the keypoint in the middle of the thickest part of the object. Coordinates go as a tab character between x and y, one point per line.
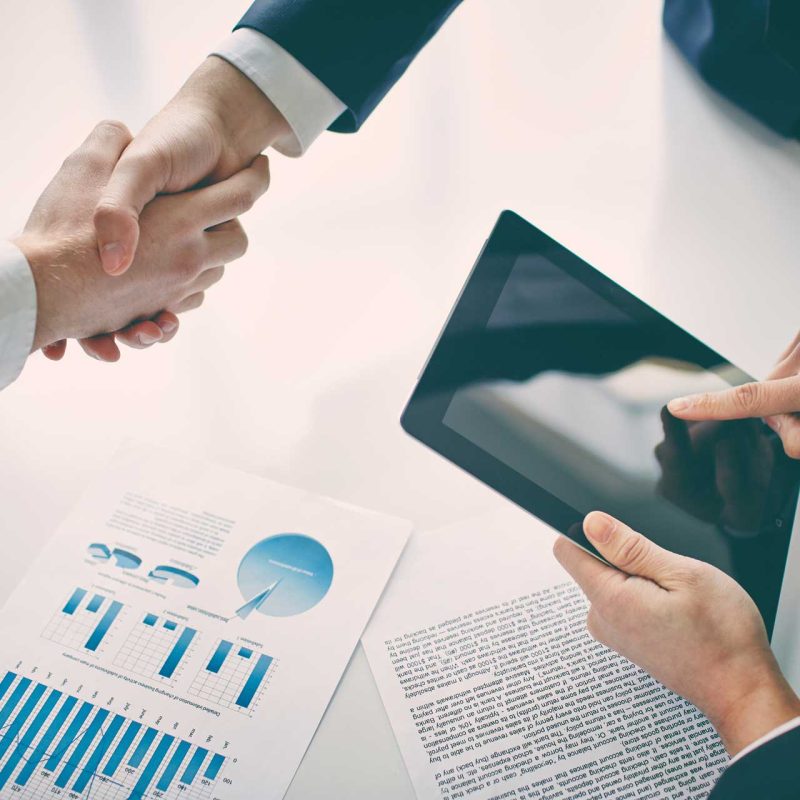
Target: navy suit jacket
748	49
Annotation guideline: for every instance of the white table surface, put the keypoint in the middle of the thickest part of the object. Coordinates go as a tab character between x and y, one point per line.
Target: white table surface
578	115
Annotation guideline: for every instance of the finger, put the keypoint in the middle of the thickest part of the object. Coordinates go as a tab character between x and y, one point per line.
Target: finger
791	349
788	428
230	198
206	279
628	550
104	146
169	325
102	347
56	350
139	335
757	399
137	178
591	574
188	304
226	242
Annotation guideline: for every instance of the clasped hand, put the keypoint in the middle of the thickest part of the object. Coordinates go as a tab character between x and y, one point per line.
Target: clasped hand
123	239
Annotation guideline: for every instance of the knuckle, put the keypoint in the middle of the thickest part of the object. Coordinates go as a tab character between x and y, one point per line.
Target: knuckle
113	129
77	159
187	265
747	397
632	552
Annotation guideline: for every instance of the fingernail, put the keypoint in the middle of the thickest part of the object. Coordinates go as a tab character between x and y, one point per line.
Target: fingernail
112	256
599	526
680	403
168	327
774	423
147	339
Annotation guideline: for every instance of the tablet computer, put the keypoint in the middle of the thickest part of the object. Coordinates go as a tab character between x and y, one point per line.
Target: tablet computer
549	383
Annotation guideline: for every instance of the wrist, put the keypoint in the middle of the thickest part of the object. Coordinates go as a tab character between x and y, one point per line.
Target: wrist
51	278
765	702
247	119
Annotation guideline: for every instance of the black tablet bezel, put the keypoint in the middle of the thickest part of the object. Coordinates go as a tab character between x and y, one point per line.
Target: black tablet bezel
424	414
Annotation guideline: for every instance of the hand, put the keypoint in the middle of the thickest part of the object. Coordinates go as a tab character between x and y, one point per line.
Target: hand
718	472
186	240
687	623
776	399
216	125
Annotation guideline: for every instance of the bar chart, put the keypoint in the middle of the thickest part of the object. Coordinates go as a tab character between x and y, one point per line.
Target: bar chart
54	743
157	647
84	621
234	677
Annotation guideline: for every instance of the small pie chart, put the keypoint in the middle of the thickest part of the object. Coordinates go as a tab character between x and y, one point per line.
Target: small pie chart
121	558
284	575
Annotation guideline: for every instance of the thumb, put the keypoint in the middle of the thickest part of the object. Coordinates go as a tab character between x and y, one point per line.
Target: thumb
758	399
628	550
136	180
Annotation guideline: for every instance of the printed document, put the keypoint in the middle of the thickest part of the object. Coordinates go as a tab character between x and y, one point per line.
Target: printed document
183	633
495	690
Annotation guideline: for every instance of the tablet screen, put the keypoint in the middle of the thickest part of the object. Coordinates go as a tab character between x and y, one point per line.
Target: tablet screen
565	382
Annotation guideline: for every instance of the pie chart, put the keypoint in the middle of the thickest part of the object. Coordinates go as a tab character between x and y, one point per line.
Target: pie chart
284	575
121	558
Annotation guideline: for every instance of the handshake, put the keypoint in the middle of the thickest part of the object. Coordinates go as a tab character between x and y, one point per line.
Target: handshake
132	232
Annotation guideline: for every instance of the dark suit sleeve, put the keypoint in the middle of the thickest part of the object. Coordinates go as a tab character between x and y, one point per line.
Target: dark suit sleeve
357	48
770	771
748	50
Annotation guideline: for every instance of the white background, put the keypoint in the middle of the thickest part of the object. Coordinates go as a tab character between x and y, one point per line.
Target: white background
578	115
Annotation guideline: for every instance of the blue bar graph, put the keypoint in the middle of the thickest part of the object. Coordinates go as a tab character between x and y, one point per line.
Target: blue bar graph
95	603
168	775
254	681
214	767
112	765
102	627
89	769
27	740
220	654
177	653
10	733
6	682
149	772
150	619
11	703
44	743
72	604
71	764
245	652
141	749
194	765
170	625
88	735
69	737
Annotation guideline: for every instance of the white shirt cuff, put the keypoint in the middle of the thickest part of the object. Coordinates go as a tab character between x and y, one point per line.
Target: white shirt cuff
17	312
305	102
773	734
